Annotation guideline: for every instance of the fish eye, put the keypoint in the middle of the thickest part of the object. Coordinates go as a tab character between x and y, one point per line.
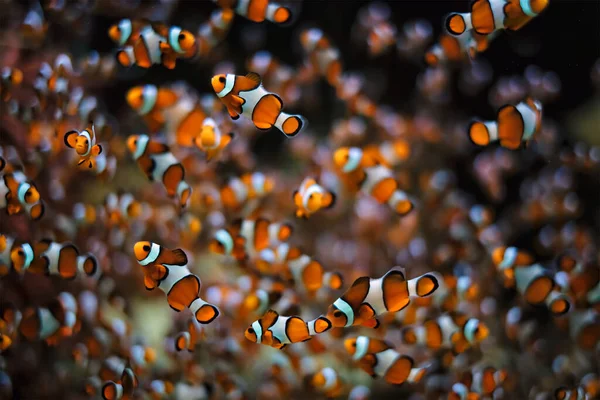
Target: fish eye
146	248
337	314
21	253
221	79
251	331
28	194
181	36
353	344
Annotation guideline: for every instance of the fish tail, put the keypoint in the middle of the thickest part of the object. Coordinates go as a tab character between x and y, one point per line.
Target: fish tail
289	124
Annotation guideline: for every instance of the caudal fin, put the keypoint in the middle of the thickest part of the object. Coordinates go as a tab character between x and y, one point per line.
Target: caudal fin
290	125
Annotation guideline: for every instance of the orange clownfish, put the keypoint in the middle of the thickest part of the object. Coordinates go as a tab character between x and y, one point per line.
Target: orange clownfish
377	358
210	140
85	145
126	32
380	185
312	197
167	270
351	163
14	256
323	58
238	191
145	50
488	16
328	382
188	339
179	43
9	78
245	95
52	323
159	164
212	32
258	10
451	330
368	298
535	283
278	331
249	237
452	49
123	390
149	101
52	258
514	125
18	194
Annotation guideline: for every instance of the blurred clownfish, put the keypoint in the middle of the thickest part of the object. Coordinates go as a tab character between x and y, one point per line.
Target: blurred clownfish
379	359
85	145
213	31
351	163
53	323
328	382
17	194
149	101
312	197
14	256
323	59
451	330
145	51
258	10
126	32
460	391
179	43
245	95
210	140
123	390
159	164
238	191
9	78
278	331
452	49
380	185
188	339
53	258
249	237
488	16
514	125
368	298
167	270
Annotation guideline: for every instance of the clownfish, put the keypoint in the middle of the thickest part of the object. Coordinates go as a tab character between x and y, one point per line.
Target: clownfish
460	391
377	358
120	209
485	380
514	125
323	59
351	163
188	339
179	43
126	32
307	274
210	140
145	51
258	10
328	382
159	164
149	101
245	95
18	194
247	238
213	31
14	256
34	26
381	37
584	328
312	197
238	191
85	145
52	323
94	66
488	16
452	49
510	258
380	184
536	285
278	331
450	330
368	298
52	258
167	270
9	79
122	390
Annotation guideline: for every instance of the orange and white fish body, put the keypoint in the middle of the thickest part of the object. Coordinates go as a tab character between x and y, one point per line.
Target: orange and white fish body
312	197
85	144
211	140
245	95
381	185
258	10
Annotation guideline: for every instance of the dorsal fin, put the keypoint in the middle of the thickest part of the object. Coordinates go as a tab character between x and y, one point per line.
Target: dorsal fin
253	76
180	257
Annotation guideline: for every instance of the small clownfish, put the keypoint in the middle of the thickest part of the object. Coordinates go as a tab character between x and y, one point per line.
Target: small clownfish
144	52
514	125
328	382
85	145
247	238
380	184
488	16
307	274
389	154
210	140
379	359
149	101
121	209
9	79
351	162
453	49
238	191
159	164
160	389
167	270
188	339
88	264
506	259
214	31
450	330
323	59
178	43
460	391
536	285
126	32
97	66
17	194
141	358
258	10
381	37
581	279
312	197
14	256
368	298
278	331
52	323
485	380
34	26
245	95
123	390
53	258
5	342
